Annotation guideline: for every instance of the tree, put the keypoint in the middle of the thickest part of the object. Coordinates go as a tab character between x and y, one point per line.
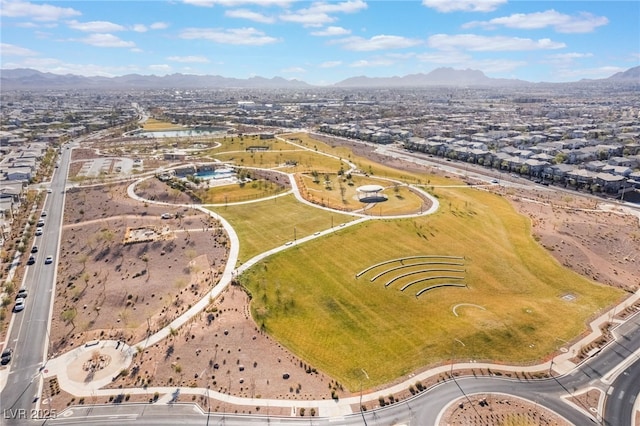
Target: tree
68	315
560	157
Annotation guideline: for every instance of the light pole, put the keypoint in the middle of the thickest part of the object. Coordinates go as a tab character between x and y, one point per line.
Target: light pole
453	352
362	412
208	405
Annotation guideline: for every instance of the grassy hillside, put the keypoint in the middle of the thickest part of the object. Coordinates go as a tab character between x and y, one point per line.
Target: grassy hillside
309	299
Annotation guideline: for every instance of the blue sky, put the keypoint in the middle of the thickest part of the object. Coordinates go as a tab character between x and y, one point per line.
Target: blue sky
322	42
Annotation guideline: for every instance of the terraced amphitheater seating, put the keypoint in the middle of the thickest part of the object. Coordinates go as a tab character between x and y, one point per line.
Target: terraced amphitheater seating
454	277
438	286
409	265
426	270
402	259
409	284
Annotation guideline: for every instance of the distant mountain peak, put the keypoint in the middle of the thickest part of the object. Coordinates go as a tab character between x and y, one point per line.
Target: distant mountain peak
32	79
25	78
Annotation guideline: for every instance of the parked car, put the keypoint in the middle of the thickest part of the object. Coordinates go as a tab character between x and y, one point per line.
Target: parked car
32	260
38	232
5	358
43	214
166	216
20	302
34	249
48	260
41	223
22	293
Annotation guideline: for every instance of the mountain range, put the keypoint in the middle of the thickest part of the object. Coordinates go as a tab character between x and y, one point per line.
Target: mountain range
24	78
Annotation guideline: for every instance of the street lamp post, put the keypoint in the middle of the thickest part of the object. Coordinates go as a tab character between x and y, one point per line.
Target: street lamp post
453	352
362	412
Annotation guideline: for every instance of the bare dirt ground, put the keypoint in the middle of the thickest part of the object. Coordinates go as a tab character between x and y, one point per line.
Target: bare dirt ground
489	409
106	289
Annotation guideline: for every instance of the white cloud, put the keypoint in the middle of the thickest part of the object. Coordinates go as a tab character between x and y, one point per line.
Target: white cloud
318	13
142	28
95	26
495	65
160	67
330	64
293	70
38	25
463	5
572	55
581	23
573	73
188	59
238	36
364	63
13	50
565	59
308	19
463	60
331	31
490	44
349	6
58	67
106	40
37	12
230	3
250	15
159	26
379	42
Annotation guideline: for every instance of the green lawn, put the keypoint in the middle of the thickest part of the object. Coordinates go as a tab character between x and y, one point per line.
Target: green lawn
264	225
309	299
235	192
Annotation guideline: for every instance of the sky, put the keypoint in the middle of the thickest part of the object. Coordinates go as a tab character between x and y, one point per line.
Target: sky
322	42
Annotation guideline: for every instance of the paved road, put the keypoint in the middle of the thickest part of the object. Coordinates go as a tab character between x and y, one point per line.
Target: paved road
29	336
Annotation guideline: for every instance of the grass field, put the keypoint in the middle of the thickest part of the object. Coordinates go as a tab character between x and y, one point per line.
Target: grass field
152	125
304	160
309	299
264	225
341	193
236	192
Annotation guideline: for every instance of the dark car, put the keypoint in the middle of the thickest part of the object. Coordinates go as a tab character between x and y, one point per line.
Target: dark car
22	293
5	358
32	260
34	249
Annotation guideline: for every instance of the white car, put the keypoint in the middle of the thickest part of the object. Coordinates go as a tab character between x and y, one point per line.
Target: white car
20	302
38	232
48	260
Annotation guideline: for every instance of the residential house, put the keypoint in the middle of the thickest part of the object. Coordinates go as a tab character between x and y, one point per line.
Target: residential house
19	174
617	170
610	183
